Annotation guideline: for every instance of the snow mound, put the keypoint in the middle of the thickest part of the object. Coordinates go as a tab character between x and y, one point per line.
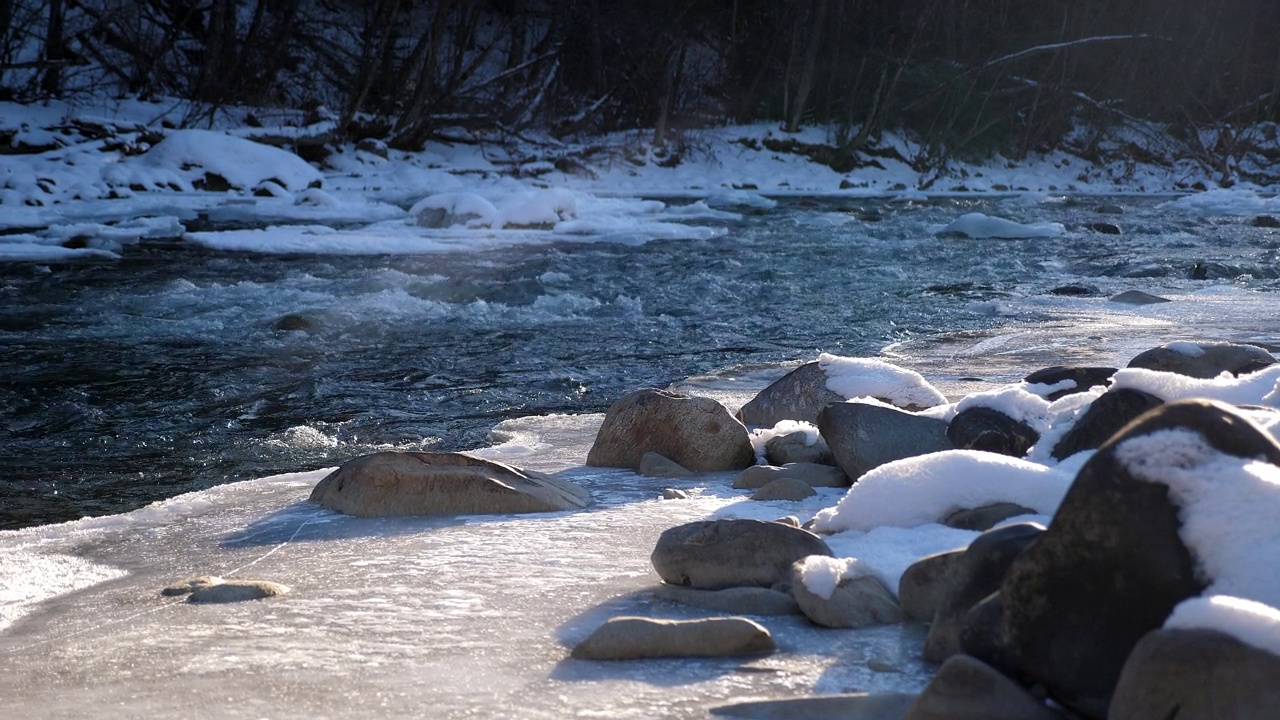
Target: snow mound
925	489
867	377
1228	506
186	158
1225	202
977	225
464	207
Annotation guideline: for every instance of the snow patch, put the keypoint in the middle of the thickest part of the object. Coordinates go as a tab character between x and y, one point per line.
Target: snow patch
868	377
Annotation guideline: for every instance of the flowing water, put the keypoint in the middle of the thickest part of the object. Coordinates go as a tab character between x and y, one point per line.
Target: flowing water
176	372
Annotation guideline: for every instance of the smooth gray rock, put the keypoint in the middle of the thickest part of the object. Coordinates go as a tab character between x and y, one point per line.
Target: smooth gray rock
735	600
851	706
1211	360
966	688
798	395
1137	297
812	474
863	436
785	488
989	430
229	591
856	602
1111	411
417	483
1109	569
979	573
986	517
926	583
654	465
716	554
795	448
1196	675
696	432
629	638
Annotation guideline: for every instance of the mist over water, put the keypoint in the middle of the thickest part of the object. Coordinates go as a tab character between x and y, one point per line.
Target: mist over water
177	369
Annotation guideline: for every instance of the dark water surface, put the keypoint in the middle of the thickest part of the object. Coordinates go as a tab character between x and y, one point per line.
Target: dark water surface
175	368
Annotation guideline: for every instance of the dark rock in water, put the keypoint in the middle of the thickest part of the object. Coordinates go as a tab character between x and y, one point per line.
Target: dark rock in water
294	322
629	638
735	600
1104	228
863	436
784	488
757	476
417	483
1111	411
1076	290
1196	675
856	602
1265	221
798	395
1109	209
1109	569
978	574
1205	360
1084	377
696	432
852	706
715	554
1137	297
655	465
988	429
966	688
795	448
229	591
986	517
926	583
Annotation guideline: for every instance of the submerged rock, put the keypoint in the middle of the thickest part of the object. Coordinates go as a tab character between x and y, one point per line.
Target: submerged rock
418	483
629	638
1137	297
696	432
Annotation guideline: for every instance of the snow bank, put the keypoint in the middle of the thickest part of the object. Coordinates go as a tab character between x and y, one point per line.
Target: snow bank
925	489
1228	506
976	225
185	157
867	377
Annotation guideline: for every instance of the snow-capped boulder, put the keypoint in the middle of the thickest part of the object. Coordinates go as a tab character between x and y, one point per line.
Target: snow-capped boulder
629	638
802	393
863	436
208	160
696	432
966	688
798	447
1113	564
716	554
420	483
798	395
978	573
812	474
1106	415
990	430
833	592
1068	379
1204	359
1196	675
444	210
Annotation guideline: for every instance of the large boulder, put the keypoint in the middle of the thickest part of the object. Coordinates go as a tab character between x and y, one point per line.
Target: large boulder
420	483
629	638
854	602
1205	359
966	688
988	429
979	573
1196	675
698	433
926	583
1111	411
715	554
798	395
1109	569
812	474
863	436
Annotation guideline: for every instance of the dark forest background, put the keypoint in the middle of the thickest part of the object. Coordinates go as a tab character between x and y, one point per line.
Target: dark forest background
966	77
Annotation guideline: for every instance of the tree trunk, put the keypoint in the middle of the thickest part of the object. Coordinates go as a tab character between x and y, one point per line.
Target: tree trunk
219	45
54	50
817	17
